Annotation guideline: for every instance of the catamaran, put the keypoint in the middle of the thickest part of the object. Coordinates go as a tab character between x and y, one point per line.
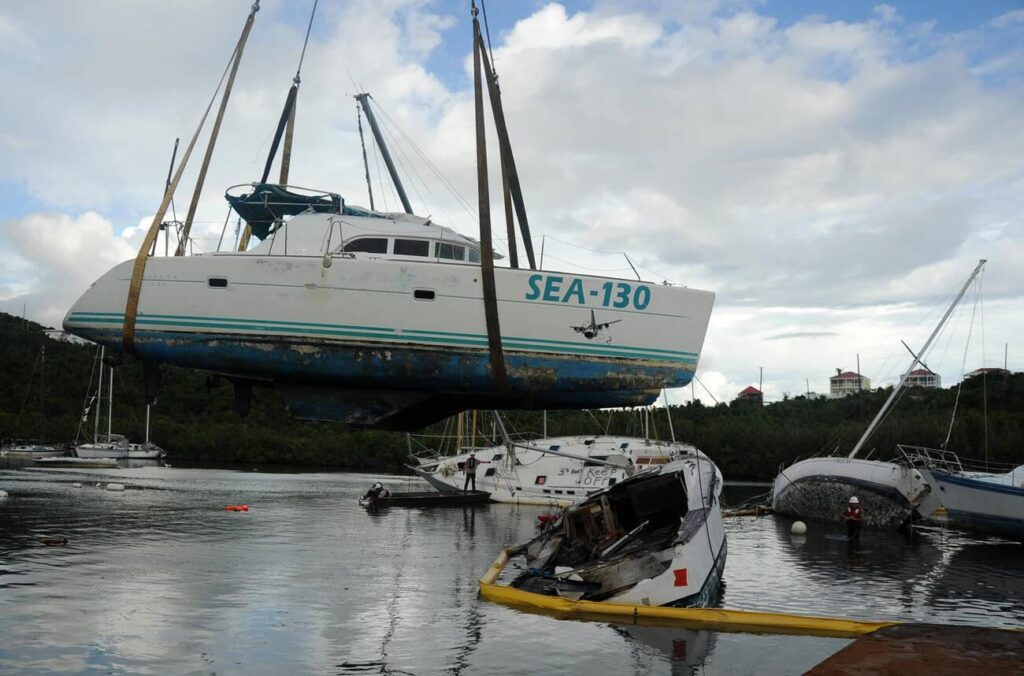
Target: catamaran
391	320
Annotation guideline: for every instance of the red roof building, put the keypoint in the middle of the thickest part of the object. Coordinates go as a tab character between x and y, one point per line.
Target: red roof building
923	378
847	382
751	393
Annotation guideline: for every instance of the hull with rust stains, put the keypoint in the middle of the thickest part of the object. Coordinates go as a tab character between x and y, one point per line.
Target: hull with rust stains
391	341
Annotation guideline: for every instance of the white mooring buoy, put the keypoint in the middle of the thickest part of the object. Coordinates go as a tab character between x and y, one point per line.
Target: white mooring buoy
3	494
115	487
76	485
798	528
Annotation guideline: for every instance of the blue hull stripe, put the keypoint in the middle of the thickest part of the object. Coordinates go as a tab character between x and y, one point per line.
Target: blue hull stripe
977	484
389	334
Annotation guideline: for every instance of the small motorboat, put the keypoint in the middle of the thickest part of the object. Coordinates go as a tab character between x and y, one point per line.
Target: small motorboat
426	499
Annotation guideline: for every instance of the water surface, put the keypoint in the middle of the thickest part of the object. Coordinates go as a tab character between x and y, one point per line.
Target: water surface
161	579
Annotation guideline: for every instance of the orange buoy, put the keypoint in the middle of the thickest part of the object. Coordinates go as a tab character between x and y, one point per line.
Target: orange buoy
237	508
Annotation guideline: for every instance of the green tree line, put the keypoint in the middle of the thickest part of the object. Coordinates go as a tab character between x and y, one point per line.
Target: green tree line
194	419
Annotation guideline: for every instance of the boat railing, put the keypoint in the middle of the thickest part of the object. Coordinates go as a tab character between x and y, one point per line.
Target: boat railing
930	458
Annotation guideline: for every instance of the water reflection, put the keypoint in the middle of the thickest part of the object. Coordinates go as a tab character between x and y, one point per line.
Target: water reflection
160	578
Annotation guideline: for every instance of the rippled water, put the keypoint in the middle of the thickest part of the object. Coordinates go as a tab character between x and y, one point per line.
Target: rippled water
161	579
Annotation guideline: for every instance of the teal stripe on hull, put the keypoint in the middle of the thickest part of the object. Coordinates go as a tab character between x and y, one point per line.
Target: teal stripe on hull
386	334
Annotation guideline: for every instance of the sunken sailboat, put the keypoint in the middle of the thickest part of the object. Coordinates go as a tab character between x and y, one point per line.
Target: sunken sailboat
391	320
656	539
893	493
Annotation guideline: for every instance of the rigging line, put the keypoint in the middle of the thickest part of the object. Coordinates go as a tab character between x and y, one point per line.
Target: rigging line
706	389
306	41
467	205
963	366
434	202
380	178
586	267
487	30
606	253
410	172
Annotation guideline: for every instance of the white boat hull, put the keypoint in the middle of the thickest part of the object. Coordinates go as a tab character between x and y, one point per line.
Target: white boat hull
819	489
370	340
536	477
984	506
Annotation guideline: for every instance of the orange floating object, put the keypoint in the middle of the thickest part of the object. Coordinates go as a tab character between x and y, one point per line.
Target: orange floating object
237	508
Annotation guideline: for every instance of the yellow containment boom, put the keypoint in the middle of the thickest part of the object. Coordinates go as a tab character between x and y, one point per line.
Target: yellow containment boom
713	619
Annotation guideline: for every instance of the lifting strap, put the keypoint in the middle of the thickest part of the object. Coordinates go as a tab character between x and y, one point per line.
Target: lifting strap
183	240
508	162
497	355
288	114
139	269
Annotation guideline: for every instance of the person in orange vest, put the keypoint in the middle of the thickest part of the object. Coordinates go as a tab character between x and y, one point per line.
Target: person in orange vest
854	518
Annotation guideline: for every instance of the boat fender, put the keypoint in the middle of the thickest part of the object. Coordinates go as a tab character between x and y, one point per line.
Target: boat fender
798	528
115	487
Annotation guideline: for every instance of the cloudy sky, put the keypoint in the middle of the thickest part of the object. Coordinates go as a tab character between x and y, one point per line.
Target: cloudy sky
832	171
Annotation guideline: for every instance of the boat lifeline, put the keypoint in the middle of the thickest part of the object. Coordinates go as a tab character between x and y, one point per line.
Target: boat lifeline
392	320
892	492
655	538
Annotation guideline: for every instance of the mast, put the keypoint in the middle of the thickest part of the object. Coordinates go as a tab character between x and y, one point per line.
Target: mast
917	358
110	402
147	424
99	400
366	164
363	100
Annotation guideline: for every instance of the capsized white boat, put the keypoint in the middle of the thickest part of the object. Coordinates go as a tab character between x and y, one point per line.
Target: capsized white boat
553	470
392	320
655	538
891	493
982	502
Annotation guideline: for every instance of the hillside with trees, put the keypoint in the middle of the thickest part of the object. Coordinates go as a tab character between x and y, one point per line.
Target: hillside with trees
195	422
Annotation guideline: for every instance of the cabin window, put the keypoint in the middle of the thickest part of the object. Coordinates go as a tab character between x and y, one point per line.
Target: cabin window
611	481
412	247
378	245
489	472
588	442
423	294
497	456
558	492
541	480
624	446
453	252
218	282
589	463
554	448
474	255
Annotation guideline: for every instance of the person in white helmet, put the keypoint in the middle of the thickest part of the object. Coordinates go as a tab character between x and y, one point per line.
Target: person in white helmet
854	518
377	491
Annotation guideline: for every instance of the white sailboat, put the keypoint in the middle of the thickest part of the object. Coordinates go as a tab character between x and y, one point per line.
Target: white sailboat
656	539
33	449
112	445
982	502
892	492
557	471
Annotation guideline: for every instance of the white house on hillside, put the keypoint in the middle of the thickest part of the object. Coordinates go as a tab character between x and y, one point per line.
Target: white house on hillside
847	382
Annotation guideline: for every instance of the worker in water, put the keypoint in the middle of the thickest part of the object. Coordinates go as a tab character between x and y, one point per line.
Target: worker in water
376	492
854	518
469	467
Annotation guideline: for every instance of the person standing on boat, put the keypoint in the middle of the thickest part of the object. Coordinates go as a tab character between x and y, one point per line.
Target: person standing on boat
854	518
470	468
